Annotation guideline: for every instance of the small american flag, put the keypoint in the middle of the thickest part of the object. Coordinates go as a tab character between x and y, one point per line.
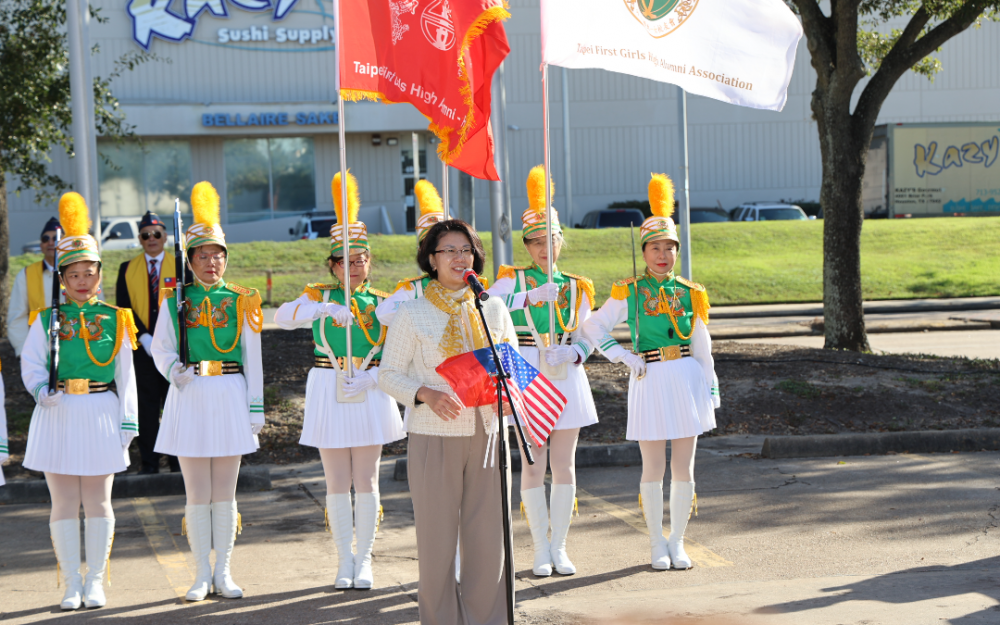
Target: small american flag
537	401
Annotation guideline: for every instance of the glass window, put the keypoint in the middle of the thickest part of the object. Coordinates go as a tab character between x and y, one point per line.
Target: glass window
135	178
772	214
264	176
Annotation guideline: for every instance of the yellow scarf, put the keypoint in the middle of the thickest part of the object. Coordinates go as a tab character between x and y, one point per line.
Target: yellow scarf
38	299
461	313
137	279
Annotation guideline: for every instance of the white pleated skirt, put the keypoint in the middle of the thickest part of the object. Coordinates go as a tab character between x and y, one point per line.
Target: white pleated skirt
2	482
580	410
331	425
672	401
209	418
80	436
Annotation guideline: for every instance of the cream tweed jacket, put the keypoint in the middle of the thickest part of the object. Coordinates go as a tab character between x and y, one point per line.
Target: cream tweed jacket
411	354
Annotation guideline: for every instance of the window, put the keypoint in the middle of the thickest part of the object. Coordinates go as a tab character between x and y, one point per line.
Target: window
121	230
135	178
268	176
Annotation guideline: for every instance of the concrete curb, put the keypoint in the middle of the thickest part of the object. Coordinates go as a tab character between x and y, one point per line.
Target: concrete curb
615	455
878	307
934	441
252	478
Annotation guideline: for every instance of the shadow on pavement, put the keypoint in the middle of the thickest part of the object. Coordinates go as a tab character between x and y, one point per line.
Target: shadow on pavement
543	587
913	585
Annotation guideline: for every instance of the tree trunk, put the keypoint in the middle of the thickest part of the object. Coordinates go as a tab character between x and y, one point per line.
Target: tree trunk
4	254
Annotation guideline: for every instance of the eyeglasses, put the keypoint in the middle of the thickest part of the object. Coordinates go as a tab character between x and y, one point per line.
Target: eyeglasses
361	262
210	257
156	235
450	251
46	238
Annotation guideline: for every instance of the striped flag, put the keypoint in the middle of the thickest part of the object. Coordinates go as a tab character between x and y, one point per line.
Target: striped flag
536	400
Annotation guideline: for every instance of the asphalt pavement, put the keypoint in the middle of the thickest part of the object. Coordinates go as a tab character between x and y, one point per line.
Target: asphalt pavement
907	539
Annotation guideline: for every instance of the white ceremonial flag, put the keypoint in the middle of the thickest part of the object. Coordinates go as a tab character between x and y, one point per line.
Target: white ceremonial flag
737	51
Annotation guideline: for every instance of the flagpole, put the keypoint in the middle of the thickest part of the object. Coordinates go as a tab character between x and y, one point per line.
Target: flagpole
548	198
349	360
684	215
444	188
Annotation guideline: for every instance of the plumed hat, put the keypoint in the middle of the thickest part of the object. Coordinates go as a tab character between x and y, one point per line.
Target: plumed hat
431	207
357	231
661	200
206	229
76	243
534	217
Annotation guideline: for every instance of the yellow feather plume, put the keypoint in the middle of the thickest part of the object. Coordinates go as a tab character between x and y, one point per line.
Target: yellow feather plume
73	215
428	198
536	189
353	199
661	195
205	204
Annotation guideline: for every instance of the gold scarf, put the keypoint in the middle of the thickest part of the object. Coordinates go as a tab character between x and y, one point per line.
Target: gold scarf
461	313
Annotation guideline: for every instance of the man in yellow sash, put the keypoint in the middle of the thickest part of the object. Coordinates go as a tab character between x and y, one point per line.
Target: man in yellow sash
140	282
32	290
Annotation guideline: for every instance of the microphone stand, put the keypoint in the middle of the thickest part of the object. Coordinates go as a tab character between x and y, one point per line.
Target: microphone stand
500	378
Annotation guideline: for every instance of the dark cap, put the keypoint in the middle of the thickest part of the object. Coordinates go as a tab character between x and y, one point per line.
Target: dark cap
51	225
150	219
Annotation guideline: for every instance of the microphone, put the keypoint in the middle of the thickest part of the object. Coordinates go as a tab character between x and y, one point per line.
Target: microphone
472	280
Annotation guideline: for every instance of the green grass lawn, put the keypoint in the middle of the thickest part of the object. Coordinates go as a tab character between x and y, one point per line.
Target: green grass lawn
740	263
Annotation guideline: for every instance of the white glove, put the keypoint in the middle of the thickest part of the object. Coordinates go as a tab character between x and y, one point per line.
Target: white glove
146	340
256	428
548	292
361	382
49	401
340	313
181	376
560	354
127	438
635	363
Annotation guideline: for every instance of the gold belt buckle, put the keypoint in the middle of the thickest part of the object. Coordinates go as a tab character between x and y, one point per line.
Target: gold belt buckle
671	352
342	361
210	367
77	387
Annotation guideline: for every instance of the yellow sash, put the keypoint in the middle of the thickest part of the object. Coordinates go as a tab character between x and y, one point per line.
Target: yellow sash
137	280
38	299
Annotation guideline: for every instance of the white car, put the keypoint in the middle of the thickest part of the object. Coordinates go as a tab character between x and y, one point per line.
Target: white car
769	211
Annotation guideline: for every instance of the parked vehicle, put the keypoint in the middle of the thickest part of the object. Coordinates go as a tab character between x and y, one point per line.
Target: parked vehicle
313	224
612	218
769	211
117	233
708	215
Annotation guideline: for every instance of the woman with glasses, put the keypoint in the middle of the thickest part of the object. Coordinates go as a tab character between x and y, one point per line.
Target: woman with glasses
526	291
348	419
673	391
215	406
80	431
452	482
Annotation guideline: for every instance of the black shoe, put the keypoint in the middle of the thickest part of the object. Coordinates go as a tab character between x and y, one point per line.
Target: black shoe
149	470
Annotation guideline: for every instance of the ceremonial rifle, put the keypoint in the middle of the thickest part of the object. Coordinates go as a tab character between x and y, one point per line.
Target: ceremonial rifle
180	265
54	321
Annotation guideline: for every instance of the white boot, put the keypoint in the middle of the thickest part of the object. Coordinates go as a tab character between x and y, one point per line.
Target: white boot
651	498
66	543
340	520
681	506
561	505
537	514
225	525
198	525
98	533
367	515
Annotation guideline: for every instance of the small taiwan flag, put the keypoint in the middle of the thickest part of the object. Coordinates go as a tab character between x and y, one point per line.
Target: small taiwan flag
170	283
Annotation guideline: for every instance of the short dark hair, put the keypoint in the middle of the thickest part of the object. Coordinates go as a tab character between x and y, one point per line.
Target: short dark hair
438	230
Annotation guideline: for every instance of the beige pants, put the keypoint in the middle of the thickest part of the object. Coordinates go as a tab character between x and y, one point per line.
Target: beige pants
450	487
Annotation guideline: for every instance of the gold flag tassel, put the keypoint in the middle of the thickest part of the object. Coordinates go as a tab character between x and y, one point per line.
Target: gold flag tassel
640	507
694	505
378	519
524	516
326	520
184	526
110	547
239	523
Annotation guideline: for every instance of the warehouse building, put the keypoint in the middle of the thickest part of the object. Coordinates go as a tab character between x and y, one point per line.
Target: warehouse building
242	94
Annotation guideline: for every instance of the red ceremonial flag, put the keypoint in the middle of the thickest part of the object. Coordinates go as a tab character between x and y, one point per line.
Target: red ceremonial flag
537	401
438	55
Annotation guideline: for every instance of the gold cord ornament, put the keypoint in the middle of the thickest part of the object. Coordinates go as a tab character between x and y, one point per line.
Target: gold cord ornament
357	315
665	308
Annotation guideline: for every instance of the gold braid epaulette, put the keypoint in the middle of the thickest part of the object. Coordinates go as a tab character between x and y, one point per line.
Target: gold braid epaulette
314	290
620	289
35	313
585	284
248	307
166	293
699	298
508	271
407	284
378	293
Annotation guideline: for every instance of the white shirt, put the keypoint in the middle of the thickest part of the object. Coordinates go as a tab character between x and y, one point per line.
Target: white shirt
18	309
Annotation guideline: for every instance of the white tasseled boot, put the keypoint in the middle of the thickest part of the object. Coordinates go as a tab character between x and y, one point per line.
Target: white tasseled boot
561	506
225	525
367	515
98	533
681	506
651	500
198	526
340	519
537	514
66	543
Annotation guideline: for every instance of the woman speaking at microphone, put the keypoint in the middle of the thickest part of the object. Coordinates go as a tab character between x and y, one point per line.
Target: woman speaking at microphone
448	442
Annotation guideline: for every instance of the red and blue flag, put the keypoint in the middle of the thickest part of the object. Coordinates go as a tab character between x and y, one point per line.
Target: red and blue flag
536	400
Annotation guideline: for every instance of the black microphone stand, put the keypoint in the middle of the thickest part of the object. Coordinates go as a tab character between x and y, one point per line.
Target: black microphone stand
500	377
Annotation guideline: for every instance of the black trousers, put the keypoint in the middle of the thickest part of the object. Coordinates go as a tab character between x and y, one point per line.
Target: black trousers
152	389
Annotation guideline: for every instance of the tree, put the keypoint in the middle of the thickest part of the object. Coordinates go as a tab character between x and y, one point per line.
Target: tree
846	45
35	114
